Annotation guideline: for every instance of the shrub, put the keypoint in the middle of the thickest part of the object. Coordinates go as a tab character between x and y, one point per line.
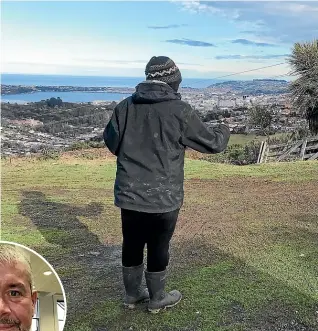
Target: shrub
84	145
48	154
236	154
276	140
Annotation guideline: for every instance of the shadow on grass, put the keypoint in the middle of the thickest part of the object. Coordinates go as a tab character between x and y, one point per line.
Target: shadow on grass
89	270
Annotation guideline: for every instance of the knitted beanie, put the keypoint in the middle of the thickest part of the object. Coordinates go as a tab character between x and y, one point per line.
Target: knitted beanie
164	69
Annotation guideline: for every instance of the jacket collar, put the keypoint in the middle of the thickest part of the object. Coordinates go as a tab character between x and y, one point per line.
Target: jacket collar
154	91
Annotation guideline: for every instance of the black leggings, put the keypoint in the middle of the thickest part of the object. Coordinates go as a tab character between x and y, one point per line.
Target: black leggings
155	230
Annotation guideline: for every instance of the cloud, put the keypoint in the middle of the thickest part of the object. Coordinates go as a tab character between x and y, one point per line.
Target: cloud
190	42
70	69
171	26
102	61
270	21
248	32
252	43
250	57
190	64
106	62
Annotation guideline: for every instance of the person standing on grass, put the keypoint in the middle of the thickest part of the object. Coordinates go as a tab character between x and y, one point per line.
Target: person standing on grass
149	132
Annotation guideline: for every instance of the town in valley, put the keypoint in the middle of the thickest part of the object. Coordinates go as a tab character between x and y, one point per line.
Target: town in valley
33	127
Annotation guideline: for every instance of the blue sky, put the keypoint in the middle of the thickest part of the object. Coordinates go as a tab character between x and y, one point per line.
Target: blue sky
117	38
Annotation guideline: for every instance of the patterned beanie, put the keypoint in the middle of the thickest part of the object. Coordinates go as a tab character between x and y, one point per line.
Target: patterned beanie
164	69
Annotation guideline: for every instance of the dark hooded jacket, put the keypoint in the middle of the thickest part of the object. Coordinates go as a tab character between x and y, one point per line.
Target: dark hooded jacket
148	132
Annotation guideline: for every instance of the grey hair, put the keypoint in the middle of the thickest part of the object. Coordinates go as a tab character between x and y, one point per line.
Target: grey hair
12	254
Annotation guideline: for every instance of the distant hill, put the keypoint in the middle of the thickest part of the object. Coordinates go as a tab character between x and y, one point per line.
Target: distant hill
252	87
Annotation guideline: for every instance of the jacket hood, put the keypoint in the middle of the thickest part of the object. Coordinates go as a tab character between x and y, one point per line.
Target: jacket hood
152	91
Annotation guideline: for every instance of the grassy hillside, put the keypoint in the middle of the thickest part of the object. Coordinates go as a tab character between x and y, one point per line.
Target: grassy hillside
244	254
242	139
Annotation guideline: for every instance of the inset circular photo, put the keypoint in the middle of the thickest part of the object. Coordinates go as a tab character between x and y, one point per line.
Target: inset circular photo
32	297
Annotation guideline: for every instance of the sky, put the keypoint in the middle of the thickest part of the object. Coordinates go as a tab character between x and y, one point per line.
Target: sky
117	38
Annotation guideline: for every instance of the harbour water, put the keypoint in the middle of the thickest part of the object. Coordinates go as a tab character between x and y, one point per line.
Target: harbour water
65	96
88	81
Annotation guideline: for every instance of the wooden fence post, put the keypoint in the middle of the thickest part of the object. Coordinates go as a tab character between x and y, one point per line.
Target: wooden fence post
261	159
303	149
260	152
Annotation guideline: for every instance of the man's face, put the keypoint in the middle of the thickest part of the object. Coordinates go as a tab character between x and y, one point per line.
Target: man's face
16	299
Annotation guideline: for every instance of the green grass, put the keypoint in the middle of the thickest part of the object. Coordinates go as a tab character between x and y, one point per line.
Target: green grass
251	264
243	139
50	174
225	296
290	172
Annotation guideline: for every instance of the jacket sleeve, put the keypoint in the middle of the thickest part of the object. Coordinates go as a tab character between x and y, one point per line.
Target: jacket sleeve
198	136
111	133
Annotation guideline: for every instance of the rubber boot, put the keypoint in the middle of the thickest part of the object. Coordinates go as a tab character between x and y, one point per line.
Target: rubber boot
159	299
132	277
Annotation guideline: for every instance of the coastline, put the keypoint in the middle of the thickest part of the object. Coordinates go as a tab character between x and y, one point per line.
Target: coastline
24	89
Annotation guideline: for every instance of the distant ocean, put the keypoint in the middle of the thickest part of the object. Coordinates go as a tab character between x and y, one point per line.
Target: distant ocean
88	81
